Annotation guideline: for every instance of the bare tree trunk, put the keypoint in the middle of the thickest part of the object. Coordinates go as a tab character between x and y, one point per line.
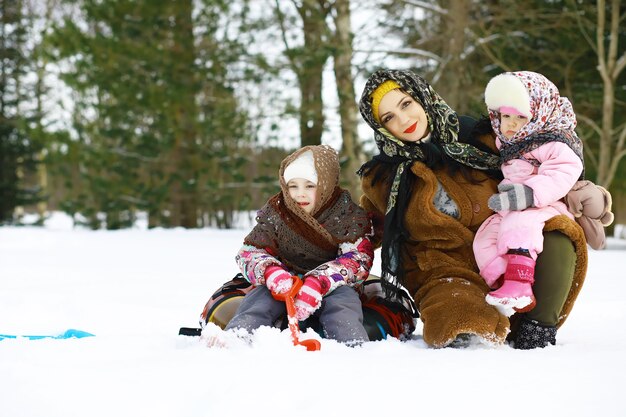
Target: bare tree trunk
307	62
185	156
42	171
451	85
612	148
311	107
312	61
351	148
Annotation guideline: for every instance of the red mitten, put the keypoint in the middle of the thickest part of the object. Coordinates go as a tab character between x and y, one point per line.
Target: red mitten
309	298
277	279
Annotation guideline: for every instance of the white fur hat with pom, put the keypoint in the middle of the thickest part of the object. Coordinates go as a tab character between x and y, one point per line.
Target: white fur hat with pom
508	91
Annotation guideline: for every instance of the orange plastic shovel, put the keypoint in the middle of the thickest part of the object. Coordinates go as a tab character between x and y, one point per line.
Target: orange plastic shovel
288	297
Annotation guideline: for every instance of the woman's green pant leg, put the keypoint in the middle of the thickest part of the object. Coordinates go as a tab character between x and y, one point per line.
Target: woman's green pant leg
554	273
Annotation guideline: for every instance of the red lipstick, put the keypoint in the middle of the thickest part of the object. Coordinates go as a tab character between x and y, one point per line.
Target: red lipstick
411	128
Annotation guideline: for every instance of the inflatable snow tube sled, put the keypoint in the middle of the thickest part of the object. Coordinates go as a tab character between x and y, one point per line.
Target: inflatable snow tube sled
392	315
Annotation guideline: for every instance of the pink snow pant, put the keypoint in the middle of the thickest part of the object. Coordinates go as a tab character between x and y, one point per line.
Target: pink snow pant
510	230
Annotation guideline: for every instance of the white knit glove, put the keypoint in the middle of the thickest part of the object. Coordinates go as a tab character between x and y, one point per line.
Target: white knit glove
511	197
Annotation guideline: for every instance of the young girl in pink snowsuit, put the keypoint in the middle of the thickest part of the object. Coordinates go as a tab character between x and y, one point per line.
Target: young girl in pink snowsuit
541	160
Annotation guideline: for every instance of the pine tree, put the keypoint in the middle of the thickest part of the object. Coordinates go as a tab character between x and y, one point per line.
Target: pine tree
153	105
17	150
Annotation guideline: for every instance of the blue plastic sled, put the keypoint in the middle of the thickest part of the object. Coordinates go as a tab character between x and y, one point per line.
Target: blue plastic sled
68	334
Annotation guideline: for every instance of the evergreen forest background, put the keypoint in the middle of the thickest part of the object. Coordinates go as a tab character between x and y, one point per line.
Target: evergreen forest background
182	110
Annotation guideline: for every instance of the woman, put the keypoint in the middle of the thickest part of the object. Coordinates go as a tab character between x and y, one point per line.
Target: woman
428	188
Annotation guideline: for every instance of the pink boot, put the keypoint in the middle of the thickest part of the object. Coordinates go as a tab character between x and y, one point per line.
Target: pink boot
516	293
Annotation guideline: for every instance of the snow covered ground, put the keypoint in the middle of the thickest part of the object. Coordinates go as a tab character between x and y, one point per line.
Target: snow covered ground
134	288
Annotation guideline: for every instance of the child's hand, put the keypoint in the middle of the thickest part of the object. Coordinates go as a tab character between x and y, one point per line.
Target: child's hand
277	279
511	197
309	298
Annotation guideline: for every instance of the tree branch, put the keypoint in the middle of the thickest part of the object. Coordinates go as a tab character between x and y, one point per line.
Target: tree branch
600	40
613	37
589	153
591	123
283	32
620	64
437	75
404	51
586	149
482	43
427	6
621	140
590	41
620	153
614	164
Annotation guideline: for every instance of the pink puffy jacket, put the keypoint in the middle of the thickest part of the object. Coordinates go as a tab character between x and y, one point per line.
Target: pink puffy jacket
559	169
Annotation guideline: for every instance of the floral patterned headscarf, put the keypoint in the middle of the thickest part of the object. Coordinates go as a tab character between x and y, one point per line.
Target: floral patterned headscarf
553	119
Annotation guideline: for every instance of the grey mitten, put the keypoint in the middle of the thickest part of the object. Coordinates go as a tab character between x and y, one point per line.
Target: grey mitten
511	197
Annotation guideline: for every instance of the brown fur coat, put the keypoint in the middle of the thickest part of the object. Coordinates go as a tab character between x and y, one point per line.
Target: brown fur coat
442	273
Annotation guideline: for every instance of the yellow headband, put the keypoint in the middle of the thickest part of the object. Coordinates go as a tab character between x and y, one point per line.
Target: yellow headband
379	93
